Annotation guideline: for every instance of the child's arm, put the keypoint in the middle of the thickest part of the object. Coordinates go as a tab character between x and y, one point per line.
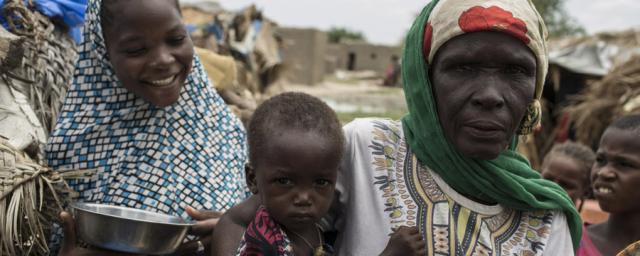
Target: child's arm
231	227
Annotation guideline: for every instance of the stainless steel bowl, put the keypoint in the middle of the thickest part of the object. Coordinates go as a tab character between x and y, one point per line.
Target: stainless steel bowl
129	230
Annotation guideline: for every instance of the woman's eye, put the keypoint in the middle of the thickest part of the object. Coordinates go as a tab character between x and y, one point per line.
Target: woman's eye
600	161
515	70
463	68
177	40
135	51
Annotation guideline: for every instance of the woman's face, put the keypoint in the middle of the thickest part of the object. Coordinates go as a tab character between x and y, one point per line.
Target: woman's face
616	174
483	83
149	49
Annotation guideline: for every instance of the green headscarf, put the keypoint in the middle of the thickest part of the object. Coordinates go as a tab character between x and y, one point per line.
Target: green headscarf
507	180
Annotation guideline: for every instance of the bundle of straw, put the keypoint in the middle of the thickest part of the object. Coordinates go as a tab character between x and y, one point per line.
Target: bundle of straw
24	205
31	196
616	95
49	60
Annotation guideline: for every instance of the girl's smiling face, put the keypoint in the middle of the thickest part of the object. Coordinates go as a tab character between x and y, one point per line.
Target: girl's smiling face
149	48
295	178
616	174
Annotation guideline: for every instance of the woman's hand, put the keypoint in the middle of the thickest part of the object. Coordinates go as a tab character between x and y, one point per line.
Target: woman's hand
205	222
69	243
405	241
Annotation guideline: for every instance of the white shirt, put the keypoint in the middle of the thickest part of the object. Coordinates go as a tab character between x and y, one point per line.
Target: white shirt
382	186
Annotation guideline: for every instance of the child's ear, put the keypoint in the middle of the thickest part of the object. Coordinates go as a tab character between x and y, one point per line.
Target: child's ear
250	175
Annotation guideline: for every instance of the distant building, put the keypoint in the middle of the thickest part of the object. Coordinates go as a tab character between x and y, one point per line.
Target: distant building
355	56
309	56
303	52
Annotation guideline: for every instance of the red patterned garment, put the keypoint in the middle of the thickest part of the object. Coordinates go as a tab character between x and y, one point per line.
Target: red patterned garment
494	18
264	237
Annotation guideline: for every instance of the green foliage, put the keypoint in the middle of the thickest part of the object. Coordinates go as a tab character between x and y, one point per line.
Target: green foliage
558	21
337	35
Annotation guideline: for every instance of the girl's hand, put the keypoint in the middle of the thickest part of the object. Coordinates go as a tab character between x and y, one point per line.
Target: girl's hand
205	223
405	241
69	243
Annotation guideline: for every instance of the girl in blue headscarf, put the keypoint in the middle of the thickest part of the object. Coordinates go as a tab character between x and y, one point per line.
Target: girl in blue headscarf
142	112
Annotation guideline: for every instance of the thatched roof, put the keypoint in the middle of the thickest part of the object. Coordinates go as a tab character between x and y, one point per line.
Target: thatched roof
616	95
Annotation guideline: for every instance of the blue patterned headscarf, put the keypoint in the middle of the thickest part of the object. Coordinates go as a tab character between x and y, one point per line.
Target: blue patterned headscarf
191	153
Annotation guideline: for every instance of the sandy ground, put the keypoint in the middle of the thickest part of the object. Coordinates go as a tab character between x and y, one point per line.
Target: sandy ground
352	98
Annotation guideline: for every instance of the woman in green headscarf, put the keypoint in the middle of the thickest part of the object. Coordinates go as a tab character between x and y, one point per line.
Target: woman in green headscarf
473	72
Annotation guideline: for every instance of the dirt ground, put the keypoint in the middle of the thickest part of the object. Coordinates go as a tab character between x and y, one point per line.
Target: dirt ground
353	97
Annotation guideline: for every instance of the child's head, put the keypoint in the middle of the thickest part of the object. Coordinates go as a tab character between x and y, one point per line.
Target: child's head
295	147
569	165
148	46
616	174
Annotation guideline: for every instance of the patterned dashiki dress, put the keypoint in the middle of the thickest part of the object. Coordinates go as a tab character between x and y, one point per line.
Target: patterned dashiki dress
382	186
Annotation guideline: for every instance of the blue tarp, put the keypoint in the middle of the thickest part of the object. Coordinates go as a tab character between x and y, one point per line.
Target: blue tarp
70	11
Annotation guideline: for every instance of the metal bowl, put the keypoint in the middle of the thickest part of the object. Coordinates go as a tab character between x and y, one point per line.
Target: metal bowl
129	230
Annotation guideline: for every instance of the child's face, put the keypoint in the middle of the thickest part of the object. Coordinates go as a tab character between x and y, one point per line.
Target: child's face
149	49
567	173
295	178
616	174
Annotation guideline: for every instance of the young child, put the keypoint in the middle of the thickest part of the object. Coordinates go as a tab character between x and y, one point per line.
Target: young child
295	147
615	180
569	165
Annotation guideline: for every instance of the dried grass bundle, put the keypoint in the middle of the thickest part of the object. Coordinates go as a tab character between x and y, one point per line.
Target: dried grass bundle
49	60
602	102
31	196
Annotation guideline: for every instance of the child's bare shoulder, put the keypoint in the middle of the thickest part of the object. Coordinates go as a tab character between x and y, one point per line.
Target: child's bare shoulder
232	225
243	213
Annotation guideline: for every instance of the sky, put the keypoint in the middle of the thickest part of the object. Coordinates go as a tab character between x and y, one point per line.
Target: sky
386	21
